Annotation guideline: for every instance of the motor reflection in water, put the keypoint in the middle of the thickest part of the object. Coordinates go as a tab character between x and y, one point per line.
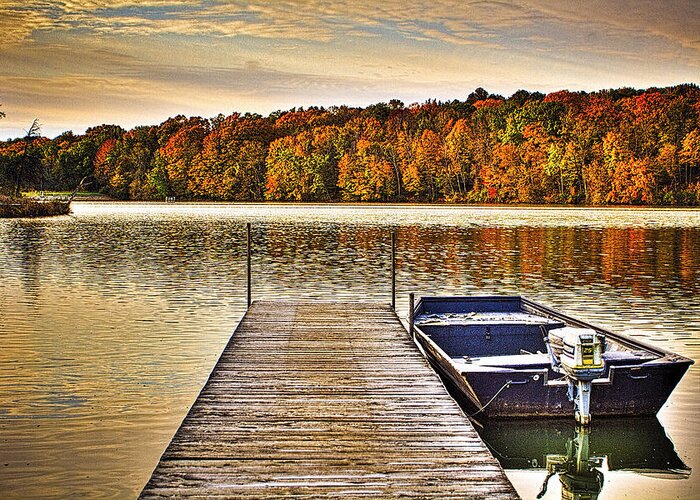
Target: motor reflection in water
577	454
578	470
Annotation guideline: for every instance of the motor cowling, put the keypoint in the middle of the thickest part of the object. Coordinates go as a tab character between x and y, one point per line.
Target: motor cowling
580	352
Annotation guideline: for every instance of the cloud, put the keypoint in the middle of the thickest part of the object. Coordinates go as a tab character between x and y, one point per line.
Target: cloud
126	59
675	20
490	24
137	93
152	17
17	24
310	20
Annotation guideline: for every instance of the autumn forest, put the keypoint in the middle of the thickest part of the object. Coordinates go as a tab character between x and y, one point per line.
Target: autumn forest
620	146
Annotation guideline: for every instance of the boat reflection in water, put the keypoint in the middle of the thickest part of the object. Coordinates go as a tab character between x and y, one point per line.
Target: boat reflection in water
577	454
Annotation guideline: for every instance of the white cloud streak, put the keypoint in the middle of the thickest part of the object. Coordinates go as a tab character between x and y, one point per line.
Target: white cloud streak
490	24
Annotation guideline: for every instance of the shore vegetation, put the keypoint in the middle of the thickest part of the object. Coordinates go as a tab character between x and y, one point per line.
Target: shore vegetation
11	206
610	147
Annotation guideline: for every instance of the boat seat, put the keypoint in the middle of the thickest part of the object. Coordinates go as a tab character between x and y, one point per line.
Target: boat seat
539	359
627	357
486	319
513	360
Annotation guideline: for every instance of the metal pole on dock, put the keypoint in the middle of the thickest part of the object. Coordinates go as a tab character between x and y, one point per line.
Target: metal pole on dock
248	284
411	305
393	269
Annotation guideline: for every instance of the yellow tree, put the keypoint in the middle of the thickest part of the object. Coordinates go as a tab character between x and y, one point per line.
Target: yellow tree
461	164
302	167
631	178
420	178
690	156
364	173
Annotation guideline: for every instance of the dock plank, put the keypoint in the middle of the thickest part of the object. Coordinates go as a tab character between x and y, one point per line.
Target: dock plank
325	399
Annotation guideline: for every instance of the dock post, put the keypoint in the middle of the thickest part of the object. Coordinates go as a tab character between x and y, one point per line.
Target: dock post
393	269
248	284
411	305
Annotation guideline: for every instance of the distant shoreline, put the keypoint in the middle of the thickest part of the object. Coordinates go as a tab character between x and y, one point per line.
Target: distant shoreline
34	208
407	204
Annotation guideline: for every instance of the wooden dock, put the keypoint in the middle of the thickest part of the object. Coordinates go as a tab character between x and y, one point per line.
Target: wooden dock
325	399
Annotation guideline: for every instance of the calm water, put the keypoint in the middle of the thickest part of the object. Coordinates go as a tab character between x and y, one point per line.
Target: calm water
111	320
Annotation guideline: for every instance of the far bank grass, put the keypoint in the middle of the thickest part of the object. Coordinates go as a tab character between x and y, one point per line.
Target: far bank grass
31	207
80	195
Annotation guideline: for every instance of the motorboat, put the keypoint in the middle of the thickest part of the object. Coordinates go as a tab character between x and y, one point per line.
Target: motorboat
508	356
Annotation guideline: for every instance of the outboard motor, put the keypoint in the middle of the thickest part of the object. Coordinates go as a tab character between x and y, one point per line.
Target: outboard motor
578	353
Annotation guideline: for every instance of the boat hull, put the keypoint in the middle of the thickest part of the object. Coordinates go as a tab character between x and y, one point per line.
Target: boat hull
537	391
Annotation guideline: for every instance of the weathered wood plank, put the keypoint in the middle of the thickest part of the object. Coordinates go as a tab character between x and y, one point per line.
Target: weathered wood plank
318	399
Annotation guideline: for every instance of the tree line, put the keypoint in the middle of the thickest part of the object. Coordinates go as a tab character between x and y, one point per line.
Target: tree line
621	146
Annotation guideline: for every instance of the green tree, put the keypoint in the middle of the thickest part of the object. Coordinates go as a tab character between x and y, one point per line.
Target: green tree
298	168
364	173
128	164
24	166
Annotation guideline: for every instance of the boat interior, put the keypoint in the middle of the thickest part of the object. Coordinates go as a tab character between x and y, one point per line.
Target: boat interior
505	332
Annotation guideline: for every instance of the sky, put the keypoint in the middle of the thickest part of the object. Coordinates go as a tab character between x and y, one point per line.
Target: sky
79	63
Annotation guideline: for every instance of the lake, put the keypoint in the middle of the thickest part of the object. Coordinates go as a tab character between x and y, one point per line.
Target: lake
112	318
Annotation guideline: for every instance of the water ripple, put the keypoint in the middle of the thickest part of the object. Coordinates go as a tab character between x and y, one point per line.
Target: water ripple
112	318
